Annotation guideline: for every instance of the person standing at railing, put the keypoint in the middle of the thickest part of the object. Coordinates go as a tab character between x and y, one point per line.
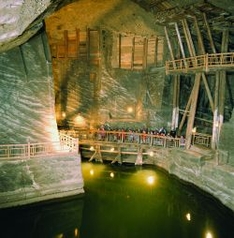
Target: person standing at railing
182	141
103	133
162	131
136	136
123	135
130	136
143	137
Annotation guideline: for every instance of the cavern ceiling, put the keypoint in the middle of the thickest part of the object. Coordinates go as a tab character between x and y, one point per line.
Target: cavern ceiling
19	20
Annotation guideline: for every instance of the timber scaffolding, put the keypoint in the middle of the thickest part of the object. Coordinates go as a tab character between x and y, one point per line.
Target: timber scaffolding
201	52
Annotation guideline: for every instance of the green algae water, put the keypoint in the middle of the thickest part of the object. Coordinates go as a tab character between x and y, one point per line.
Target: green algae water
124	202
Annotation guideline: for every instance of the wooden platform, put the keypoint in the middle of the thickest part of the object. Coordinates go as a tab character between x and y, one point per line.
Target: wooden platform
202	63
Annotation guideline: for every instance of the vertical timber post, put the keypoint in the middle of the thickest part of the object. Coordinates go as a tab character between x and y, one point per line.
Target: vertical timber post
175	112
192	112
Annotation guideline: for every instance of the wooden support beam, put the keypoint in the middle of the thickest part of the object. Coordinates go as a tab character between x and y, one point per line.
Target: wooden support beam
88	45
186	111
99	46
118	157
169	44
65	33
145	53
188	37
215	127
120	51
156	51
225	40
201	47
180	40
208	91
97	154
133	52
222	88
209	34
175	113
180	44
192	111
78	42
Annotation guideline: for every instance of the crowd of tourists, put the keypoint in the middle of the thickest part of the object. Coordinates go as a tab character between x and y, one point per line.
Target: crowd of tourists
144	135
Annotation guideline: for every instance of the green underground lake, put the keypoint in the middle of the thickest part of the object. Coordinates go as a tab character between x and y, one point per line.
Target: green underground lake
124	201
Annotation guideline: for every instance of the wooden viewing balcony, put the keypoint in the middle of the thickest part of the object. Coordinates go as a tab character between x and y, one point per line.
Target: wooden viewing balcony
207	62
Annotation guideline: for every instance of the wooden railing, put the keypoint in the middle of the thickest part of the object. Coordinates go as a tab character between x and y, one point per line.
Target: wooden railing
202	62
201	139
29	150
68	142
127	137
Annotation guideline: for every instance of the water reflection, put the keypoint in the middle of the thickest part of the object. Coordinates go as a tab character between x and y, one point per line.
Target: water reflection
129	201
123	202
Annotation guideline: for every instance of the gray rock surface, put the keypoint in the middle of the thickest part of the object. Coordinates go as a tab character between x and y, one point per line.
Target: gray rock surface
34	180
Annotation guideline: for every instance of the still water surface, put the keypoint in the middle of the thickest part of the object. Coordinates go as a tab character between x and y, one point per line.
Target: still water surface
123	202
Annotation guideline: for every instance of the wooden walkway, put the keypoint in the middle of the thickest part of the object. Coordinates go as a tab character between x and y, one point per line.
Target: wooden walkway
201	63
132	147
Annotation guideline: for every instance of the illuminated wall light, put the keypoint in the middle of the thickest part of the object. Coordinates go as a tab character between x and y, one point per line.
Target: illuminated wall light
151	153
91	172
188	216
112	175
130	109
76	232
91	148
194	130
209	235
63	114
112	149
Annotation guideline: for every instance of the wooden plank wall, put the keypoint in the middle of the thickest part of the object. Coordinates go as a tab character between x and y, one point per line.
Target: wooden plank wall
129	51
138	53
81	45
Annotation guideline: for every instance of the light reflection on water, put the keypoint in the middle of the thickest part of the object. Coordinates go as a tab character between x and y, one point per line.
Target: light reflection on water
129	201
123	202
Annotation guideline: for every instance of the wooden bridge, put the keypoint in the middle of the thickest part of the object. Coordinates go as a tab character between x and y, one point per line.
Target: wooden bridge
129	146
202	63
115	146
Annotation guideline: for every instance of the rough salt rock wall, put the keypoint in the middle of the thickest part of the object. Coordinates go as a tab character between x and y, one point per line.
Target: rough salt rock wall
200	169
38	179
27	94
21	19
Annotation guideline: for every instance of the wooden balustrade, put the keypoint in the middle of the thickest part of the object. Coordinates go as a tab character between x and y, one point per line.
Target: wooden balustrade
127	137
205	63
201	139
29	150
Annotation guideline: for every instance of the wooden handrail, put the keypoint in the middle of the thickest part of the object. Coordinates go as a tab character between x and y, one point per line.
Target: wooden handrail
201	62
29	150
201	139
127	137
